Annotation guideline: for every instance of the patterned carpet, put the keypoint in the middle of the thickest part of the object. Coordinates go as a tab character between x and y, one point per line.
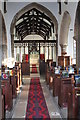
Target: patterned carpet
36	107
34	69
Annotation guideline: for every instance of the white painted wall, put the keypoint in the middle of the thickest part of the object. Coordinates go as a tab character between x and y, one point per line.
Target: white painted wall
14	7
71	8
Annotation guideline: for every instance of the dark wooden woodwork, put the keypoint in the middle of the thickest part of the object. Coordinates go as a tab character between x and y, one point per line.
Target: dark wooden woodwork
7	92
37	41
3	107
51	79
47	76
34	23
74	103
48	68
17	85
25	68
64	89
13	83
63	61
71	74
56	84
38	14
42	67
18	75
51	82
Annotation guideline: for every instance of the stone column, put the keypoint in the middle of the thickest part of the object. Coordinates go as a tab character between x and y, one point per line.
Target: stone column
4	52
0	39
12	45
54	54
63	50
44	52
15	52
48	52
20	52
52	51
78	52
0	62
26	49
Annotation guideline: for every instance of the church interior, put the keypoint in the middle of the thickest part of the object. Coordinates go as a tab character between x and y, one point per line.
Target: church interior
40	59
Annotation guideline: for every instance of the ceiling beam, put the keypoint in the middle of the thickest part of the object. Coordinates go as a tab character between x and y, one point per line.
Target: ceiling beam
37	41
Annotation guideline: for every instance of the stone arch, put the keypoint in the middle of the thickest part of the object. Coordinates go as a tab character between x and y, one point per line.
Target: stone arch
3	41
64	29
25	9
77	34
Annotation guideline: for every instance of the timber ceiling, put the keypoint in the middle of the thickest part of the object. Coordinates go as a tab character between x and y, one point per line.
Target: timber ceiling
34	22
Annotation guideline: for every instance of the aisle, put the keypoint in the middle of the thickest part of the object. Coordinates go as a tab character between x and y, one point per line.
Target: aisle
20	108
26	97
34	68
36	107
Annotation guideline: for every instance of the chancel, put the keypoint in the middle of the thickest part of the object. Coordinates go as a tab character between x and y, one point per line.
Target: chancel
40	59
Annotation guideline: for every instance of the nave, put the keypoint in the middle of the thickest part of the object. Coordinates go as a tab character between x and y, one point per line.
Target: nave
20	108
40	59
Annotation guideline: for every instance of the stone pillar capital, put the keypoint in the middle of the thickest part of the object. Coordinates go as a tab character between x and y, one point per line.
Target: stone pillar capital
63	49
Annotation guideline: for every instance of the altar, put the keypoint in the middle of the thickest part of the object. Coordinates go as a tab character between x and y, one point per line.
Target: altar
34	60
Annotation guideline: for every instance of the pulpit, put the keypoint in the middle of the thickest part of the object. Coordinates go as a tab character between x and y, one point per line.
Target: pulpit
63	61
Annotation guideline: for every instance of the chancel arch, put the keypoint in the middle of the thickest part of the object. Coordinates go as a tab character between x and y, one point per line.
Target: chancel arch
34	19
64	29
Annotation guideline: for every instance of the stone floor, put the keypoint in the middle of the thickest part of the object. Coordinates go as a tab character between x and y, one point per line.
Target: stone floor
19	110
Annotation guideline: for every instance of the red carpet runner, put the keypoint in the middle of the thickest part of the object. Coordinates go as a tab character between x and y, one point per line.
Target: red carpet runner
34	68
36	107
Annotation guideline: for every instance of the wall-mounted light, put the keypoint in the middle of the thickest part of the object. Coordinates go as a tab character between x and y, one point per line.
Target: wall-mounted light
66	2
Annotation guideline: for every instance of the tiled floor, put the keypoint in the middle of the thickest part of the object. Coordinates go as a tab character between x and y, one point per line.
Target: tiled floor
20	107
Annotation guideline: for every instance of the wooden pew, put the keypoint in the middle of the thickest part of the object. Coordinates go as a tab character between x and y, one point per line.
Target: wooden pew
51	82
13	83
74	102
56	84
7	92
64	89
25	68
3	107
18	75
47	76
48	69
51	79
